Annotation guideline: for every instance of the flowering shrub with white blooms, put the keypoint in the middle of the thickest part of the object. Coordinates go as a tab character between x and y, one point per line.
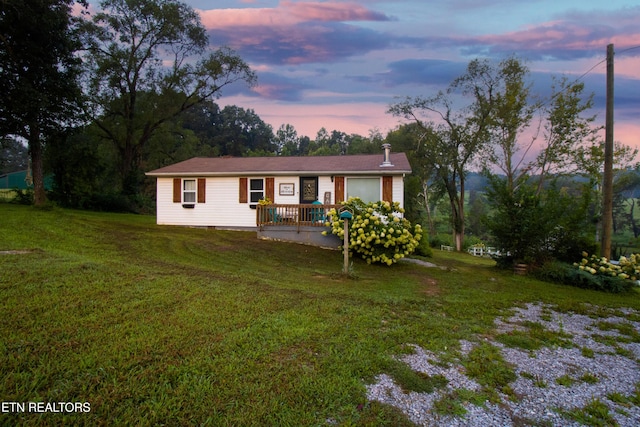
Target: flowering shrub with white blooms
627	268
377	231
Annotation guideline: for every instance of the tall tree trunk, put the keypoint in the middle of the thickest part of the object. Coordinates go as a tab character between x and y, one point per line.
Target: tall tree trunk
457	216
425	195
460	227
35	150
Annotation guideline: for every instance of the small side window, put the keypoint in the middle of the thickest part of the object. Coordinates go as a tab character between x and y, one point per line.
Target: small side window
256	190
189	191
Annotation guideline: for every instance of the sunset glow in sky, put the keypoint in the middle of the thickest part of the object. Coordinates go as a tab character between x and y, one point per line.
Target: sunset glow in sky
339	64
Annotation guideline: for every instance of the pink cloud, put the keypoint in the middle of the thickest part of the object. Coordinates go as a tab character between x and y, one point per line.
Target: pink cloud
331	11
550	35
288	13
225	18
574	35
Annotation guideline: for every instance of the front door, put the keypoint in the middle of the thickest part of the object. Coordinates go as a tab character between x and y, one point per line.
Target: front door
308	189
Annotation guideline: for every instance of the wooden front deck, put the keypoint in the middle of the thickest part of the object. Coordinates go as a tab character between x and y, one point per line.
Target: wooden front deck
303	223
307	215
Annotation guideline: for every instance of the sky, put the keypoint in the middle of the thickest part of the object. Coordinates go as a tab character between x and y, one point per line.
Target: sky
340	64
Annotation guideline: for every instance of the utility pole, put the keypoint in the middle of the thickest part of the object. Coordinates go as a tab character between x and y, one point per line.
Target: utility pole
607	185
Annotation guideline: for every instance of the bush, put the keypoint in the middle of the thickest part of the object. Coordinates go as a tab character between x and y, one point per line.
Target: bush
423	248
627	269
23	197
471	241
567	274
439	240
377	231
534	228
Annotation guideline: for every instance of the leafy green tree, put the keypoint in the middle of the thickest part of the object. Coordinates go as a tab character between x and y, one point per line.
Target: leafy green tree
147	63
287	141
84	171
452	137
173	143
38	75
477	212
561	132
561	135
329	144
231	131
304	143
512	115
202	121
358	144
241	132
566	129
533	228
322	139
341	140
421	192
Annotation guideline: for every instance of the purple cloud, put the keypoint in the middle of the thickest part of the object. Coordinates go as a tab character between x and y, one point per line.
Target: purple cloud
573	36
305	42
298	32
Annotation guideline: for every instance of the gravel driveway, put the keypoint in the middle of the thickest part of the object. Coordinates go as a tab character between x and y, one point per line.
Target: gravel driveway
600	367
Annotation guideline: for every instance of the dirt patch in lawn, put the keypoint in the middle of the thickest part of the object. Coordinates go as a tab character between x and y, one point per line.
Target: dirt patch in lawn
18	252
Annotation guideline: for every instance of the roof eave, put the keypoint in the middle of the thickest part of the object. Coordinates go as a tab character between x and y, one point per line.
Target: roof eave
280	173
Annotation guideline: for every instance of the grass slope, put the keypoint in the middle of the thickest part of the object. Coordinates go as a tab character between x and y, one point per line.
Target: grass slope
165	325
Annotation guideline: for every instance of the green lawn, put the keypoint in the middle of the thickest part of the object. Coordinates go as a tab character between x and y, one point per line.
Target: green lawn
165	325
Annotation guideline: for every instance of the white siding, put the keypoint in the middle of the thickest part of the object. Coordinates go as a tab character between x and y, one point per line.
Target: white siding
398	190
287	200
325	185
223	209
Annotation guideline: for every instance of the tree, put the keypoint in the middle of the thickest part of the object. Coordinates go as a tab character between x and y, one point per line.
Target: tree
420	194
452	137
512	115
38	75
287	141
146	65
341	140
365	145
201	122
559	134
241	132
533	228
565	130
477	212
84	171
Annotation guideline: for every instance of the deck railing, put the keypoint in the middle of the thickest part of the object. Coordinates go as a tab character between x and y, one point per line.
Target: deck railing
310	215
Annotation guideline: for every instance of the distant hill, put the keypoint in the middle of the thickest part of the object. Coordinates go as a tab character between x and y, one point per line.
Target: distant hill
477	182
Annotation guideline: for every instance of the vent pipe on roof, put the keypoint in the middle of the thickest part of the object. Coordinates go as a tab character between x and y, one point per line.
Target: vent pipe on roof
386	162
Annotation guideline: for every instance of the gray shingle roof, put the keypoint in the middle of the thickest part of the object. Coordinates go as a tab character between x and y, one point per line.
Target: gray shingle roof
358	164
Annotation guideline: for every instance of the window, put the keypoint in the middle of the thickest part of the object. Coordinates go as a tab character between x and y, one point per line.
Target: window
256	190
368	189
189	191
